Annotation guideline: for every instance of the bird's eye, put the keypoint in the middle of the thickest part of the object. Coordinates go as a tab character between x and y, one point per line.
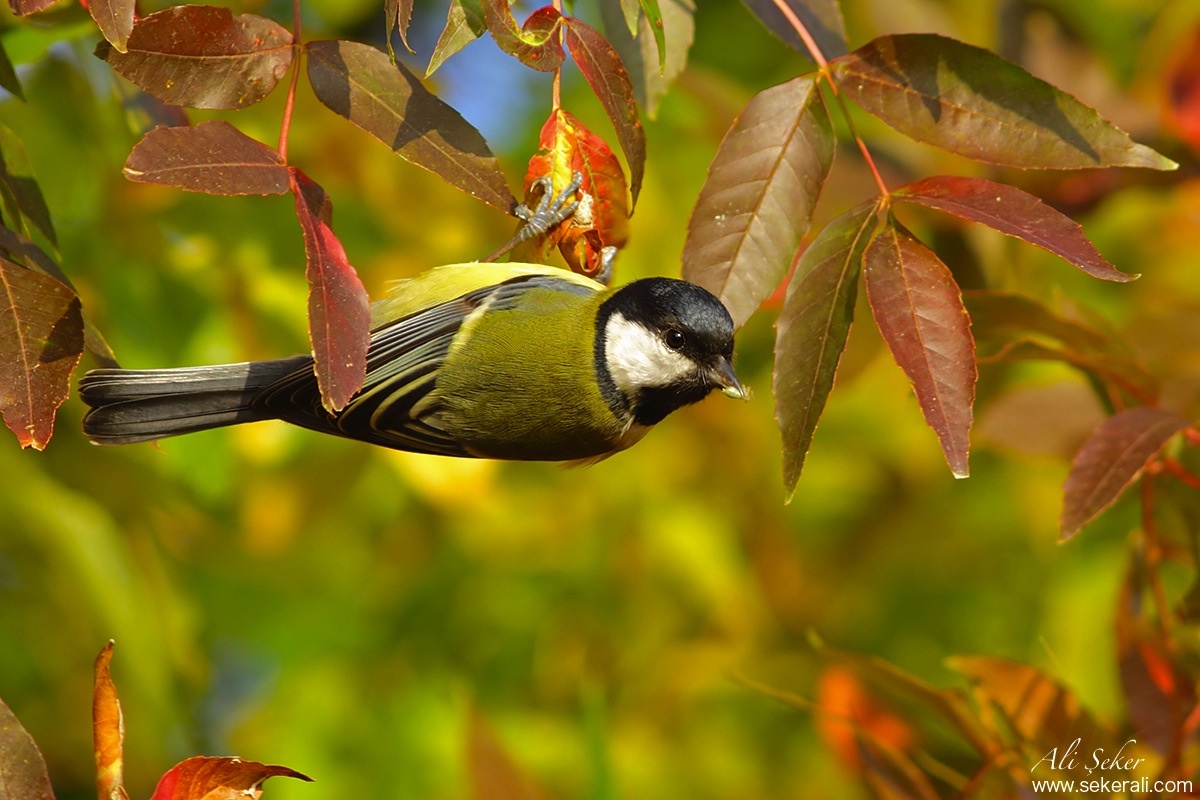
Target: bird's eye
675	339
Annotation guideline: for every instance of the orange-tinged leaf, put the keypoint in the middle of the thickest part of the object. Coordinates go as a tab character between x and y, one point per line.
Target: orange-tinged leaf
23	773
203	56
919	310
1183	82
567	147
41	341
1111	459
339	317
213	157
602	68
972	102
758	198
387	101
812	328
108	731
218	778
1014	212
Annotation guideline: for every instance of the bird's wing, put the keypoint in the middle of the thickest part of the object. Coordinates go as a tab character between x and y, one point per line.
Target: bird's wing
402	366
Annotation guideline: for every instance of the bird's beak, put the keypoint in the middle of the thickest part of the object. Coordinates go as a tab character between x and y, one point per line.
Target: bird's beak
723	375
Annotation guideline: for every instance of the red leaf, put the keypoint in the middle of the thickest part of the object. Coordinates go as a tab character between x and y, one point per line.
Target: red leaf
387	101
218	778
115	20
1183	81
566	147
812	330
604	72
1111	459
41	340
339	318
204	56
973	102
1014	212
213	157
537	43
758	198
919	311
23	773
23	7
108	731
822	19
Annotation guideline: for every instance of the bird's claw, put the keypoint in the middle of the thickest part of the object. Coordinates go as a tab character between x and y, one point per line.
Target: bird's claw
551	208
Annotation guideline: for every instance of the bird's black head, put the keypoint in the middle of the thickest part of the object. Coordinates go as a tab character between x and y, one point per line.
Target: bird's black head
662	344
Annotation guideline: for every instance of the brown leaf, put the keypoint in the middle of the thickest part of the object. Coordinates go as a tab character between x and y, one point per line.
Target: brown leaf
1014	212
920	313
41	340
397	13
536	44
758	198
1044	715
218	778
1158	692
822	19
23	7
204	56
213	157
1113	369
812	330
972	102
604	72
387	101
23	773
115	20
1183	83
339	318
108	731
1111	460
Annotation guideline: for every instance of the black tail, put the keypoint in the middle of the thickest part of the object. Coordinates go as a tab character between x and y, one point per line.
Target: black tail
139	405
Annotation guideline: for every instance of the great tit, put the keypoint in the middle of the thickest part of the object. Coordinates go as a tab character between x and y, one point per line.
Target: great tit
505	361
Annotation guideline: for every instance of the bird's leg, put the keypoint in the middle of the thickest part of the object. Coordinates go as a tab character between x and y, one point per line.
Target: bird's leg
551	210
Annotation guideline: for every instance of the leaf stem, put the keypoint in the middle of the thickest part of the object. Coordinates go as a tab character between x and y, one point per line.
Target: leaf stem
823	65
286	125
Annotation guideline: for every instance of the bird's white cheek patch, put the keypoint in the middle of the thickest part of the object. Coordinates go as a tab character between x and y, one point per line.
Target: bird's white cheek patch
637	357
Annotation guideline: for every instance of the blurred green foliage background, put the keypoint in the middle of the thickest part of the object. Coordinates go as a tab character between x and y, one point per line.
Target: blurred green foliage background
340	609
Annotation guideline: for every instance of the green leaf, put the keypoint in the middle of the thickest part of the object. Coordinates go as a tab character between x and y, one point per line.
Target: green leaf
387	101
464	24
758	199
920	313
652	69
812	330
24	204
973	102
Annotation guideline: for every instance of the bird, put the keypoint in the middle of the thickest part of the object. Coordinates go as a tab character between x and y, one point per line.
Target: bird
511	361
